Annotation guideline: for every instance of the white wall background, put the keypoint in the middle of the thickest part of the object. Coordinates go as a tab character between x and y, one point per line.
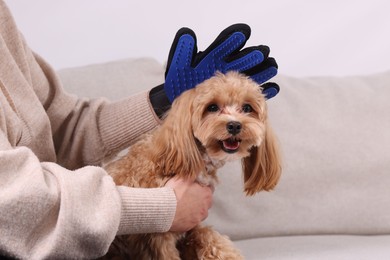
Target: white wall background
327	37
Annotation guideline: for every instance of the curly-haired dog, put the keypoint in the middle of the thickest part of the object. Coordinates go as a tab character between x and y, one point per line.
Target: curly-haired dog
222	119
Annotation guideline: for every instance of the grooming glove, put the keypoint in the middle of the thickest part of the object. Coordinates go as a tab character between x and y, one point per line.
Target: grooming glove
186	67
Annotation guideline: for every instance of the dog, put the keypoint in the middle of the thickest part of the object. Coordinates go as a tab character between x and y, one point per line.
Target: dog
222	119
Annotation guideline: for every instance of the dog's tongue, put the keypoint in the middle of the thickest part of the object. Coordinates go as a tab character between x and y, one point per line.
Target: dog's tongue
231	144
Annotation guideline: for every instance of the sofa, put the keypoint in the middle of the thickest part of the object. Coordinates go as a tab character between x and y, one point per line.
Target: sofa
333	199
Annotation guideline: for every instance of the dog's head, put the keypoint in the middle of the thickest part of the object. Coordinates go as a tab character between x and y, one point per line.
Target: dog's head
226	116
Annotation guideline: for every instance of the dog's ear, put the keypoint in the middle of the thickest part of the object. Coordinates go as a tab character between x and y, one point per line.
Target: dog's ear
262	168
176	151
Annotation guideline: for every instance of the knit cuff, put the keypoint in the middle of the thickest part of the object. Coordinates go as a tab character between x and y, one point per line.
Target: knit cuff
146	210
122	122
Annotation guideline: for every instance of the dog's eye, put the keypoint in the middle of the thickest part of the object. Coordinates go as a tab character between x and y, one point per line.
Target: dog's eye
247	108
212	108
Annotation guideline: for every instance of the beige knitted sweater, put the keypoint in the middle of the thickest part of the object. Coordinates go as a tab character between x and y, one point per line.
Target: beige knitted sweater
55	202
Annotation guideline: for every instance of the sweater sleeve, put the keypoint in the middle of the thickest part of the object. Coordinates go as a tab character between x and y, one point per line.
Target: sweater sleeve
85	130
52	204
48	212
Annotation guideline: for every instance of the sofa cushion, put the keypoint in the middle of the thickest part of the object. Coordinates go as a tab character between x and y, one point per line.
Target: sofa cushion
114	80
335	140
336	247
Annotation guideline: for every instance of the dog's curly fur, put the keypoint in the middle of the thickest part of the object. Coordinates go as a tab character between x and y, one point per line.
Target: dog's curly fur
222	119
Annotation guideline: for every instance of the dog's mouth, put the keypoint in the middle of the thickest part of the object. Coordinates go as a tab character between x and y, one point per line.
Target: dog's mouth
230	145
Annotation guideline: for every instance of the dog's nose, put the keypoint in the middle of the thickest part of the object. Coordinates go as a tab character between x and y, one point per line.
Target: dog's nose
233	127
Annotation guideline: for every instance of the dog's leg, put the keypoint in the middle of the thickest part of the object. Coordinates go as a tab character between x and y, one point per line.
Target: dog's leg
207	243
163	246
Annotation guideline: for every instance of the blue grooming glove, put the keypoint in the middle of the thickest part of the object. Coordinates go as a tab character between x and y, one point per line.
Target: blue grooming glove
186	67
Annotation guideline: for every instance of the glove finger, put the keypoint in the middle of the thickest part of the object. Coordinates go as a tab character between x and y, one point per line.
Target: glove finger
264	71
265	75
264	49
267	63
247	58
183	49
270	90
228	41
